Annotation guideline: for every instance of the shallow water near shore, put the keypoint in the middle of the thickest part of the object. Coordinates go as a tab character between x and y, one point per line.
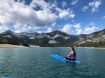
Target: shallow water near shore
37	63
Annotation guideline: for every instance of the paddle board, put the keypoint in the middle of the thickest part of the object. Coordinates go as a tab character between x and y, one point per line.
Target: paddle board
61	58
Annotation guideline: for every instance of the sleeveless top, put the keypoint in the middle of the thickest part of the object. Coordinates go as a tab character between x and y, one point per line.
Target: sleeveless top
73	55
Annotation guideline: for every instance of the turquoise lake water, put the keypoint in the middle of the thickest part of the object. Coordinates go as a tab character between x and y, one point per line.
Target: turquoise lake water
37	63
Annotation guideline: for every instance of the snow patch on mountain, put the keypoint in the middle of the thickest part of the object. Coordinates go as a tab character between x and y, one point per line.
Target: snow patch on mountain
53	42
58	35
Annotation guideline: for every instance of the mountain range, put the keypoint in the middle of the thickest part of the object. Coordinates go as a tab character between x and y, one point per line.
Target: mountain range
54	39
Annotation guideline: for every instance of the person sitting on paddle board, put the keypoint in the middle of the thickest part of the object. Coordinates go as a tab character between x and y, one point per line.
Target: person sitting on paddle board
72	54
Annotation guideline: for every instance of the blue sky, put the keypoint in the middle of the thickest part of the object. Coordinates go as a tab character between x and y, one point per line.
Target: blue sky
70	16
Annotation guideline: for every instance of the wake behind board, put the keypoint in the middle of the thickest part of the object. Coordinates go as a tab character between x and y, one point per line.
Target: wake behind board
61	58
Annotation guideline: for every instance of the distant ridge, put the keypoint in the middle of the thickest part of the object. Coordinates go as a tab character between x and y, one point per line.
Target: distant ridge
54	38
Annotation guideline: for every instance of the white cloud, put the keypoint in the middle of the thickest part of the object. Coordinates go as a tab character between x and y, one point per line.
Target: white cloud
66	13
19	28
64	4
20	17
94	5
49	29
72	28
89	30
66	28
74	2
16	12
46	16
77	29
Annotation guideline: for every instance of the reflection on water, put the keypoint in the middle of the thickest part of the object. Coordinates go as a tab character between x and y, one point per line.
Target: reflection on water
37	63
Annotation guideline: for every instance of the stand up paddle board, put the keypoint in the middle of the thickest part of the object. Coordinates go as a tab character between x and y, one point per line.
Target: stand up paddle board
61	58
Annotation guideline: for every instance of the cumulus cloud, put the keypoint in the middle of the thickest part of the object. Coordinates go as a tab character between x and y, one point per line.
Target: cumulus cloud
94	5
72	28
74	2
77	29
25	28
89	30
66	28
19	17
26	14
12	13
66	13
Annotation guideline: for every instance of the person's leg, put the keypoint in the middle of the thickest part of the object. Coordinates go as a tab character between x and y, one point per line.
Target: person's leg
72	58
67	58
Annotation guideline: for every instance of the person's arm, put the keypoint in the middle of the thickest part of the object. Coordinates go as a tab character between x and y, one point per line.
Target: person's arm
69	54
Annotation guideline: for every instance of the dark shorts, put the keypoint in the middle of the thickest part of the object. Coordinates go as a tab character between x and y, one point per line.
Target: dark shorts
69	58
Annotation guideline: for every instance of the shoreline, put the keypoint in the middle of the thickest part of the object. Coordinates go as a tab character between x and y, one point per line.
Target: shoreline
92	47
11	46
16	46
32	46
